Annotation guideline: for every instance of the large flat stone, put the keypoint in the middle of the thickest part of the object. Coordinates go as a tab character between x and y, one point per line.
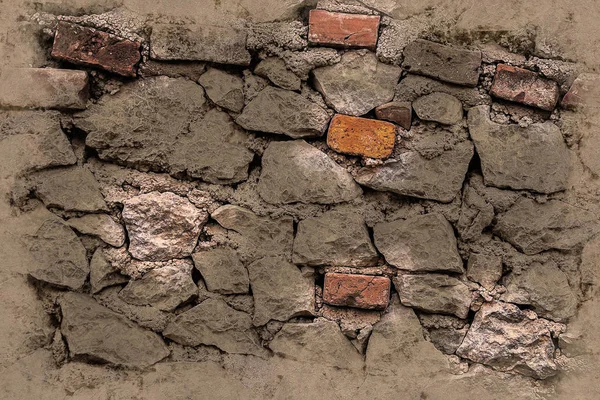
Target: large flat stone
100	225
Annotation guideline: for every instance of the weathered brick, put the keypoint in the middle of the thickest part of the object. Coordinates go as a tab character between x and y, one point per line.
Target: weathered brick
524	86
94	48
585	92
361	136
396	111
359	291
445	63
339	29
199	43
43	88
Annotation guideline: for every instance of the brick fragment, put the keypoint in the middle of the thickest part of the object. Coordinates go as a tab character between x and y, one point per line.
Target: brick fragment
359	291
340	29
524	86
399	112
361	136
585	92
94	48
43	88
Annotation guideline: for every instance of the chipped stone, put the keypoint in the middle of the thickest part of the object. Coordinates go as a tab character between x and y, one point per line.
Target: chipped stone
485	269
361	136
100	225
476	214
524	86
223	89
439	107
399	112
360	291
583	93
411	87
103	274
444	331
222	270
274	69
340	29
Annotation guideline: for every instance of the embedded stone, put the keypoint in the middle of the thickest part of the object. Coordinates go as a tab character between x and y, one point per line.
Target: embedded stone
47	88
222	270
446	63
103	273
334	238
361	136
277	35
583	93
508	339
94	331
280	290
446	332
303	62
223	89
280	111
100	225
340	29
295	171
534	157
439	107
524	86
162	226
475	215
398	112
357	84
360	291
274	69
434	293
223	45
93	48
396	34
485	269
532	227
411	87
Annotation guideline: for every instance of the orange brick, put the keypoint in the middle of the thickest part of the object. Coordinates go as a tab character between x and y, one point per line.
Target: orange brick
359	291
361	136
339	29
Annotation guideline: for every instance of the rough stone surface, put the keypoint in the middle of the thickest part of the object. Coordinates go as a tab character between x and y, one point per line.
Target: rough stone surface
275	36
100	225
58	255
535	157
276	110
96	332
441	62
419	243
475	215
411	87
361	136
507	339
524	86
94	48
360	291
214	323
399	112
255	236
274	69
223	89
186	69
317	342
165	287
162	226
397	34
444	331
439	178
340	29
334	238
103	274
583	93
532	227
222	270
223	45
439	107
302	63
357	84
43	88
298	172
485	269
280	290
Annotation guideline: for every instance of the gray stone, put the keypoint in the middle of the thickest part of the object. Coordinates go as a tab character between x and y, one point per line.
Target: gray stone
223	89
439	178
280	111
508	339
590	273
411	87
303	62
59	256
534	157
255	236
253	85
214	323
165	287
185	69
532	227
485	269
319	342
162	226
274	36
280	290
222	270
94	331
100	225
398	112
295	171
334	238
223	45
439	107
397	34
357	84
419	243
274	69
543	286
103	274
475	215
441	62
434	293
444	331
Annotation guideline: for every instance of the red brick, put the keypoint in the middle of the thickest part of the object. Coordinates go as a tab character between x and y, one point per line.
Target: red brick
359	291
524	86
90	47
339	29
361	136
584	92
398	112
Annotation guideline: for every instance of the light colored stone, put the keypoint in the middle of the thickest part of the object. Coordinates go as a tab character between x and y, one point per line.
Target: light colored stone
103	274
439	107
274	69
100	225
223	89
222	270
